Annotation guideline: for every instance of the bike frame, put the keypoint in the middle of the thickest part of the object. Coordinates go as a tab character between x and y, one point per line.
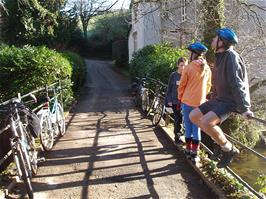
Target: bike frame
55	111
21	144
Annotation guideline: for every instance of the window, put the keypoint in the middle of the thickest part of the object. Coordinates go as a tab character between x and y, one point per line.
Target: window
135	42
183	10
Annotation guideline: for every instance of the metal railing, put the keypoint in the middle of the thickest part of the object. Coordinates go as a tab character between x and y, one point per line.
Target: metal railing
40	90
261	156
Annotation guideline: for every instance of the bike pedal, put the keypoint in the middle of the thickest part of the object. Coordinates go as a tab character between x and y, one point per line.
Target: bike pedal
42	159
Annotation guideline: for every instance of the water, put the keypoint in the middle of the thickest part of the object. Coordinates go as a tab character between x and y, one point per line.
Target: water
249	166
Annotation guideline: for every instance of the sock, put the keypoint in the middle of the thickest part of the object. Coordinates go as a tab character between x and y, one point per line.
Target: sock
227	147
188	143
195	145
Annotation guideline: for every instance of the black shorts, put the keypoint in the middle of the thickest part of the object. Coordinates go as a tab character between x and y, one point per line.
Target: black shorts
221	109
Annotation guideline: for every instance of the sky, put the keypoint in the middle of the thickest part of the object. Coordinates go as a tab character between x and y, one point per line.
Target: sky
121	4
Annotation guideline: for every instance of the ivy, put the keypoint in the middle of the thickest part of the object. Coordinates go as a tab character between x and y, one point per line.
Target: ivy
213	16
27	21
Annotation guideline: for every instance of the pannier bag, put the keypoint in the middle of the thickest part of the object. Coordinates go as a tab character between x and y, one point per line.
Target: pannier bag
30	118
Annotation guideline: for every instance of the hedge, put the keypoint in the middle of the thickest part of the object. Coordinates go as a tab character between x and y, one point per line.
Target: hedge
25	69
78	69
156	61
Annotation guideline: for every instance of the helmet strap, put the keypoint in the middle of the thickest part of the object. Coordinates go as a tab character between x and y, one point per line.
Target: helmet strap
191	56
217	44
219	47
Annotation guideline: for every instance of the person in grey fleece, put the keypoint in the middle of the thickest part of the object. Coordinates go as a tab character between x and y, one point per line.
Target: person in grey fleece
231	94
171	96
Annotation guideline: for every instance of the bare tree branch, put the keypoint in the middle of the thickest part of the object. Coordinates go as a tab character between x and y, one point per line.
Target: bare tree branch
90	8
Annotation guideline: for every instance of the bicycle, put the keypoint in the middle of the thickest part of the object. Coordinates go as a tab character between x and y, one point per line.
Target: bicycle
141	94
47	133
57	112
157	104
22	141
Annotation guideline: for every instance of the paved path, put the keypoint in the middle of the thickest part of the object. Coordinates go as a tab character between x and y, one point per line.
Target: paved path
110	151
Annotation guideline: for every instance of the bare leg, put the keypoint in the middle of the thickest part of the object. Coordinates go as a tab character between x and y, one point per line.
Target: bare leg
195	116
208	123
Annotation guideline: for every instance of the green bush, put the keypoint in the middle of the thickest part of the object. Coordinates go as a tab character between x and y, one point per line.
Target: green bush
242	130
156	61
25	69
79	69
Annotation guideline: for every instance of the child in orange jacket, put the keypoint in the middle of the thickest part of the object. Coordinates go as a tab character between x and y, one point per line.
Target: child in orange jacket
194	86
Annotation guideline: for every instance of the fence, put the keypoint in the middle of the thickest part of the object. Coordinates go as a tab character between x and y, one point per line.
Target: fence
37	91
262	157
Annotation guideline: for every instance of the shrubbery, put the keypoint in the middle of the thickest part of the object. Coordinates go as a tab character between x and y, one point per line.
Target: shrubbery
246	132
78	69
25	69
156	61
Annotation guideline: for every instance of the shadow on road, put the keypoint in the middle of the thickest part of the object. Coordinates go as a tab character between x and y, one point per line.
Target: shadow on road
108	143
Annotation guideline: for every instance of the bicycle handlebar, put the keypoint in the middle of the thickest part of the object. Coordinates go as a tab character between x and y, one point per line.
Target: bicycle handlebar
18	100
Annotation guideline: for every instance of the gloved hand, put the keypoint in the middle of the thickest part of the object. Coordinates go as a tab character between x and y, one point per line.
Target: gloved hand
248	114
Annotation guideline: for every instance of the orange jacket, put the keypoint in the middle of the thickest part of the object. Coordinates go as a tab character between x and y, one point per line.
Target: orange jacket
195	84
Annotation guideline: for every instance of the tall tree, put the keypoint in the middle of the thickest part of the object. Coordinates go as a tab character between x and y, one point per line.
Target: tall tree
213	15
27	21
87	9
53	5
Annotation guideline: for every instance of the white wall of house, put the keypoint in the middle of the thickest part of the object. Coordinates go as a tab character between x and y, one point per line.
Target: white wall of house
178	22
146	26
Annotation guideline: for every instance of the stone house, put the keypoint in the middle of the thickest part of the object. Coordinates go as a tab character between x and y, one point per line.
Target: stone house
155	22
179	22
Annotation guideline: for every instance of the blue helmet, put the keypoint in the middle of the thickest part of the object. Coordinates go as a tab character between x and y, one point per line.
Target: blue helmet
198	48
228	36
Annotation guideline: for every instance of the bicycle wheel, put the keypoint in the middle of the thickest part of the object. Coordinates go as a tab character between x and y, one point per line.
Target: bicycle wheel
27	145
47	134
61	120
135	100
151	107
158	113
145	100
25	173
33	161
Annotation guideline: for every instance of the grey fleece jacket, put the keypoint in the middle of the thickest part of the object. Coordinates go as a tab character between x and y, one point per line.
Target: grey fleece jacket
231	81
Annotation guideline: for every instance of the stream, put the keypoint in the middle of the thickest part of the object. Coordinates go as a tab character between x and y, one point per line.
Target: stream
249	166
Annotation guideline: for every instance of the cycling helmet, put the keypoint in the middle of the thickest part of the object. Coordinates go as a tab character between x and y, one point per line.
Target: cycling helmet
228	36
198	48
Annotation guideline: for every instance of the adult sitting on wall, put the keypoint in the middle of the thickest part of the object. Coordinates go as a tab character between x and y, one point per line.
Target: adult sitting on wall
231	94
